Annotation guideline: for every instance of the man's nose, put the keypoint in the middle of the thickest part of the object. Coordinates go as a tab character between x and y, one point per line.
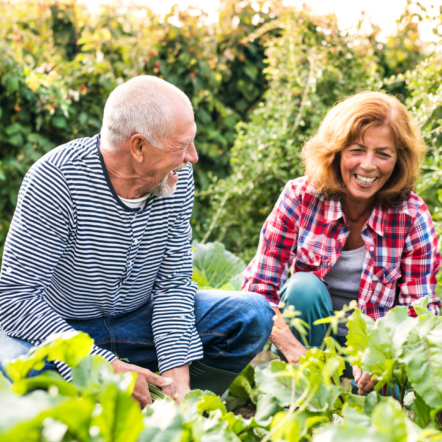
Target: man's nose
191	154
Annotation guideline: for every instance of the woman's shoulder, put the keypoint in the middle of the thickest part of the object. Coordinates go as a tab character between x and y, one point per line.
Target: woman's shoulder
301	187
414	206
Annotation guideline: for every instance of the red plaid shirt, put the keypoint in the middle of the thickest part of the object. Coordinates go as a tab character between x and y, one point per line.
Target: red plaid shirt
309	231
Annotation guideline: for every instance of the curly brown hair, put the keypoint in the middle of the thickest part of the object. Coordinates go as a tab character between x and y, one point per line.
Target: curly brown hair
344	125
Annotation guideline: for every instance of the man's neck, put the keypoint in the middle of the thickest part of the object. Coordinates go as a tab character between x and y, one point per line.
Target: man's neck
123	176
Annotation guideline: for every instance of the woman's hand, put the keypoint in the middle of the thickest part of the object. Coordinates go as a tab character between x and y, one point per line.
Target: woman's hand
144	377
283	339
365	384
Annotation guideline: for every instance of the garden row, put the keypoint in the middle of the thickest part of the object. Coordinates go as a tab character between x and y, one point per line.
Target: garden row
293	403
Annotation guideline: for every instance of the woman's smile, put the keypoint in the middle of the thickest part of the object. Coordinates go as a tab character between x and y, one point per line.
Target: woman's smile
364	181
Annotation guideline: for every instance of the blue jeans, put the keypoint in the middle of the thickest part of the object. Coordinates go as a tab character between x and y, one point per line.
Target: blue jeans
233	327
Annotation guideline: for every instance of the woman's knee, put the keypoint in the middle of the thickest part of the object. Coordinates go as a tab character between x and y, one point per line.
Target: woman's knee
304	289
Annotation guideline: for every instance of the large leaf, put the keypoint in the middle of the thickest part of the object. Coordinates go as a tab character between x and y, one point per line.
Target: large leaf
288	384
214	266
424	367
385	343
69	347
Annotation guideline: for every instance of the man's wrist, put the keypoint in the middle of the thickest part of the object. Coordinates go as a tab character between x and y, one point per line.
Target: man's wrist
180	375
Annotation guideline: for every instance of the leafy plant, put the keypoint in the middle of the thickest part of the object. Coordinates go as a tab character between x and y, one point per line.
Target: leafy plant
293	403
216	268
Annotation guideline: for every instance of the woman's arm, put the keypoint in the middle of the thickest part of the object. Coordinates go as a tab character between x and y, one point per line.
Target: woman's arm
420	263
268	270
283	339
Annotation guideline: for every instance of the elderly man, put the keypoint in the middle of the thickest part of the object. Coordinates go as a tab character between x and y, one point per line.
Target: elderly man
100	242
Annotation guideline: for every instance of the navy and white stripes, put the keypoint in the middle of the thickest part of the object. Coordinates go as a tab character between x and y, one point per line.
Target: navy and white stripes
75	251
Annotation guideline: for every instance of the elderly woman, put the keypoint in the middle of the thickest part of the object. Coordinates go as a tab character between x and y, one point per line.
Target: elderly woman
352	228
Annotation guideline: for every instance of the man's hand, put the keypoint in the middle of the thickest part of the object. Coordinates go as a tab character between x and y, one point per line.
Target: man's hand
144	377
284	341
181	382
365	384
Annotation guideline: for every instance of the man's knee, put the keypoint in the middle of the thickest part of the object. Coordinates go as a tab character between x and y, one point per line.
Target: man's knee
256	315
12	348
303	289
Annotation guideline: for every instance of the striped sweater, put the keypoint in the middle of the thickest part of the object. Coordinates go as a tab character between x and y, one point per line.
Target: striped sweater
75	251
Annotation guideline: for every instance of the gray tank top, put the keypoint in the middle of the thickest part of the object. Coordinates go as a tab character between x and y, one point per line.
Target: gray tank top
344	280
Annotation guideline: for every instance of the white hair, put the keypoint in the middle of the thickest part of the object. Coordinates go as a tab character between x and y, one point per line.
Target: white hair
142	105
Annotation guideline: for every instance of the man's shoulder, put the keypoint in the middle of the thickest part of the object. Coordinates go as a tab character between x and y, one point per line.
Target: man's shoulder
67	154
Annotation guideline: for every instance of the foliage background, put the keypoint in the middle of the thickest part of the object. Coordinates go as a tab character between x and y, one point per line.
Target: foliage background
260	81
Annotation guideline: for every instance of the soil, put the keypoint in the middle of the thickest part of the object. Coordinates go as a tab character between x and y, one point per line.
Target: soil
246	411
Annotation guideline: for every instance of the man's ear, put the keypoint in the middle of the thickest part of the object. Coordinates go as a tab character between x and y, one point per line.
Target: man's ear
138	147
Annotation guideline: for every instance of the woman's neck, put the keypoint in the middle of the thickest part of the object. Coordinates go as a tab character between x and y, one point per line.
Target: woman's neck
357	210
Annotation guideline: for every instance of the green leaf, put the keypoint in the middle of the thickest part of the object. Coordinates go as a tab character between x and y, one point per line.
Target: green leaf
424	325
251	71
266	408
359	326
91	374
287	383
424	367
389	420
59	122
421	411
214	266
384	343
197	402
120	419
69	347
12	84
45	381
244	384
420	306
163	422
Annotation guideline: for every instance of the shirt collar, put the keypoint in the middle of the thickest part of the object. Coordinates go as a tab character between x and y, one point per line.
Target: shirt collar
333	211
377	219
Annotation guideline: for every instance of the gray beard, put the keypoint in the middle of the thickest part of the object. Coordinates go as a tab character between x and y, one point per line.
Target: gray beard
163	188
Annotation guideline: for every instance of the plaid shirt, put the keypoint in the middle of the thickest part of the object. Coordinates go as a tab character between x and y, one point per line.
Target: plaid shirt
309	231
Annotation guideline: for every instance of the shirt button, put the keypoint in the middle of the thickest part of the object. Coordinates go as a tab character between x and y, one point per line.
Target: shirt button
9	270
135	241
371	249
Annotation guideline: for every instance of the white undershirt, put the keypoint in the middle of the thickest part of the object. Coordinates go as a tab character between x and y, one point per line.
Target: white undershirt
135	203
